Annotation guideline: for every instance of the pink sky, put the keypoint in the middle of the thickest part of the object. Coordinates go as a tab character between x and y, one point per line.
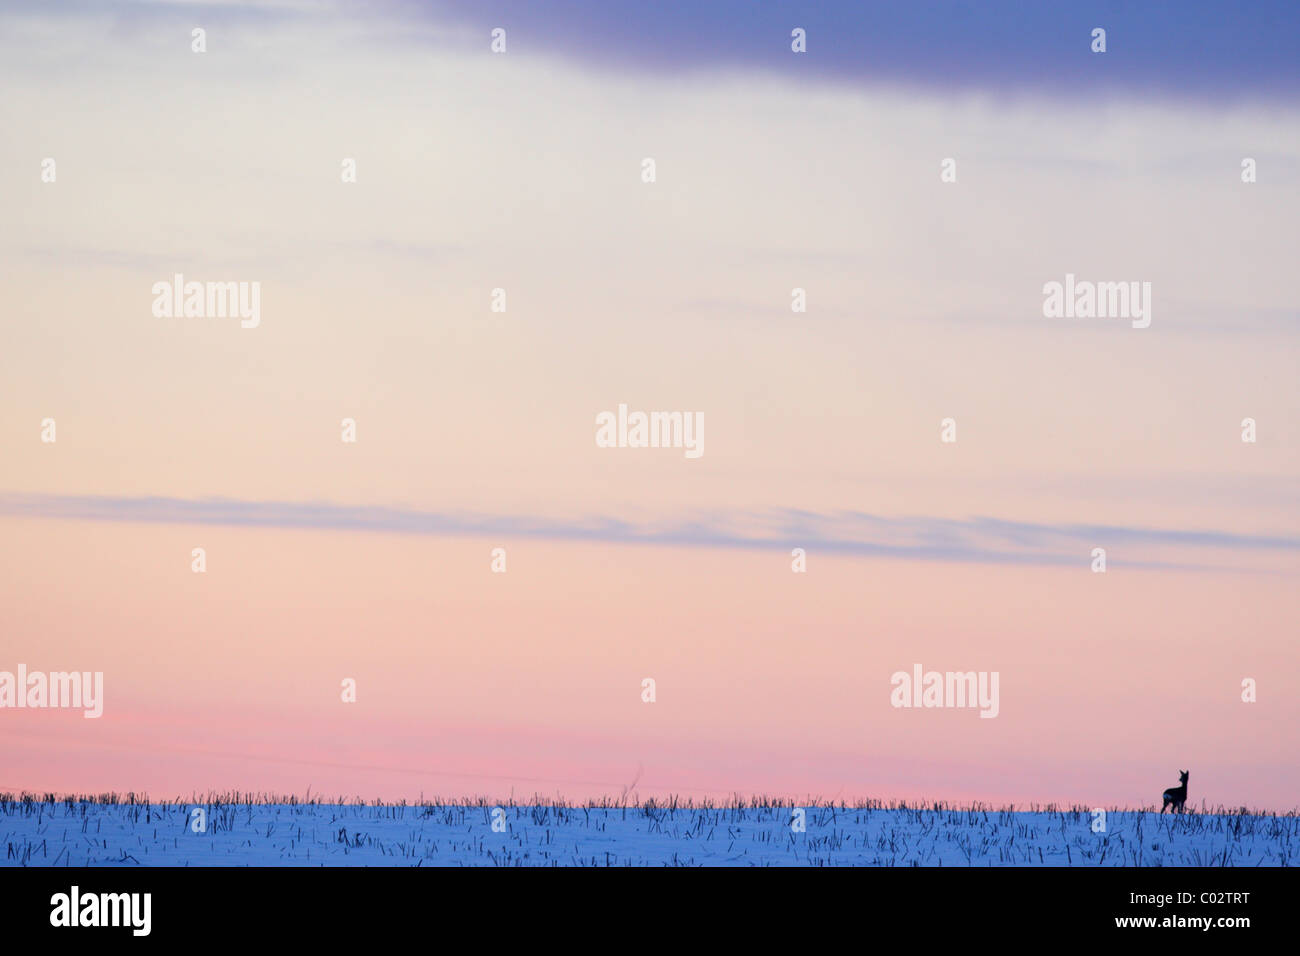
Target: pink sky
768	682
475	428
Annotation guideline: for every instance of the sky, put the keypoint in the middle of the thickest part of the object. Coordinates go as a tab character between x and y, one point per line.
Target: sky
372	560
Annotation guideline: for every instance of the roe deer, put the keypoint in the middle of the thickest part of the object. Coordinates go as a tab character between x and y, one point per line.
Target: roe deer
1176	797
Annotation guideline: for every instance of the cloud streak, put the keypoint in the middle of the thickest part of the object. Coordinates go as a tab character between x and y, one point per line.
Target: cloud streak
847	533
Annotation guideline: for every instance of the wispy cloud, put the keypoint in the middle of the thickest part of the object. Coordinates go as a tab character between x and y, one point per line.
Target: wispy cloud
850	533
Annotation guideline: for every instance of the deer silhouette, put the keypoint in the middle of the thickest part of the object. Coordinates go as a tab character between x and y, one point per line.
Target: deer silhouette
1176	797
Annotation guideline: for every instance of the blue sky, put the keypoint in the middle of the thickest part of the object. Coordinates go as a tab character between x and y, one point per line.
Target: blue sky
1196	50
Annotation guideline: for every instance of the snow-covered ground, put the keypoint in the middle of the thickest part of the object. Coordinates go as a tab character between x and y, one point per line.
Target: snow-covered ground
36	833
